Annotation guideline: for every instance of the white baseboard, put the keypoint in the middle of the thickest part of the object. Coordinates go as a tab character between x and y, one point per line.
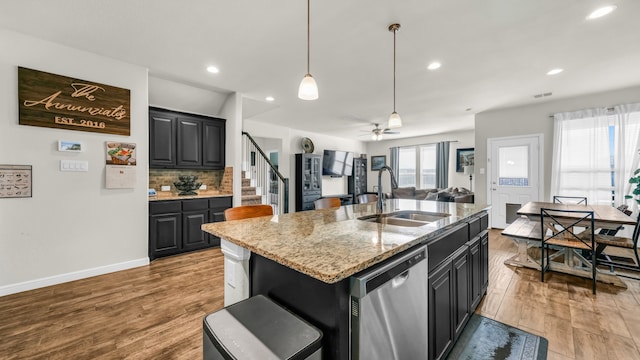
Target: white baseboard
76	275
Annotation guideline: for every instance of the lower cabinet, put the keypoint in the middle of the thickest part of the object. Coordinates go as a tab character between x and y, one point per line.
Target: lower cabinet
165	234
456	287
461	281
440	311
193	237
175	225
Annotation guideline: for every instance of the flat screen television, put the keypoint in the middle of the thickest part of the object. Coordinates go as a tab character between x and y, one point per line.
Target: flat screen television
337	163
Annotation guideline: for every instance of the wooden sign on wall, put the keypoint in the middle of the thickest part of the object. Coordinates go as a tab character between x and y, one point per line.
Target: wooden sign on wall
56	101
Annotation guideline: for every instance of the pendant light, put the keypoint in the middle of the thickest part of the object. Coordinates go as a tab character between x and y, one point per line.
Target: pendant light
308	89
394	120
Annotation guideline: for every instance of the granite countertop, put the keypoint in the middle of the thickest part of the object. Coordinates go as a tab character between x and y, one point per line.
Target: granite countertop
170	195
332	244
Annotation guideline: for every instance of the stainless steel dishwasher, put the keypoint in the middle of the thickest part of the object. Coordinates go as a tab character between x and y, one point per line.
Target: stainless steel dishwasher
389	310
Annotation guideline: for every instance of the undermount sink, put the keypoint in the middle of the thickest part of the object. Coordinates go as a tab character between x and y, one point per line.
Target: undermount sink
406	218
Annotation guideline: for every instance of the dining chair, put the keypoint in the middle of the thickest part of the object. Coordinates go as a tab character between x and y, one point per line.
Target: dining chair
326	203
604	240
248	211
564	235
367	198
577	200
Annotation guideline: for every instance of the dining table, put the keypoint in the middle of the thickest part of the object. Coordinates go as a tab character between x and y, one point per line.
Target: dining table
526	232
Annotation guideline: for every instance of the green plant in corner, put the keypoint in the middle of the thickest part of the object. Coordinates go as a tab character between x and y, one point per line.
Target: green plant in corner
635	179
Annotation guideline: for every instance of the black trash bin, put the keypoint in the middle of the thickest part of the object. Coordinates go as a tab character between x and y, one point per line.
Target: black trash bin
258	328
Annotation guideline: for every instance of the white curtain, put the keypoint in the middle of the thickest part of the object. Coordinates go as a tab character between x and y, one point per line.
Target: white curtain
627	151
592	145
581	163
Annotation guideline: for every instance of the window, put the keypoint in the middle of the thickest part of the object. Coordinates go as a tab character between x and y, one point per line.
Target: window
594	152
417	166
514	166
407	167
428	167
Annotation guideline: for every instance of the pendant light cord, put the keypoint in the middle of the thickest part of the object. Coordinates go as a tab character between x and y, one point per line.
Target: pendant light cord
394	69
308	33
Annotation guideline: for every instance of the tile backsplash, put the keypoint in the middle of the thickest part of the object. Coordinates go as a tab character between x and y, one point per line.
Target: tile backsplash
160	177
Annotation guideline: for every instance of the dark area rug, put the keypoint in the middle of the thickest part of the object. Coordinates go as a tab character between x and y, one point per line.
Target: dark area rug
488	339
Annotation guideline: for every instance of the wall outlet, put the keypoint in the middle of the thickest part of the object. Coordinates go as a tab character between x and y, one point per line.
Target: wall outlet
203	187
165	188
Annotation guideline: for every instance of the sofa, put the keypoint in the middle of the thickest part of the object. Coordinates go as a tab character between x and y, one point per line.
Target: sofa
459	195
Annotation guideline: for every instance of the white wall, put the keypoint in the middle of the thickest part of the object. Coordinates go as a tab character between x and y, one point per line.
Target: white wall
72	227
534	119
171	95
291	145
464	139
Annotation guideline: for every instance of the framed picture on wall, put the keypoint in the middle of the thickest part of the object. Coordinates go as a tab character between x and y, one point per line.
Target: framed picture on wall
378	161
464	157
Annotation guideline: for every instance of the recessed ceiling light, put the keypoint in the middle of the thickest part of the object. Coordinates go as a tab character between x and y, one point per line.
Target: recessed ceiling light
434	65
601	12
213	69
269	98
555	71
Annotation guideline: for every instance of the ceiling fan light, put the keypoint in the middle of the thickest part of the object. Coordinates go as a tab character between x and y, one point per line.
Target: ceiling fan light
376	137
308	89
394	121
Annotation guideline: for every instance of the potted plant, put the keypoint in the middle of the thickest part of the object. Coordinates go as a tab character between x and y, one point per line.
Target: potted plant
635	194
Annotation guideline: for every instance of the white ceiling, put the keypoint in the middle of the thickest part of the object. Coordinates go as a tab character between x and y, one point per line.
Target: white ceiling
495	53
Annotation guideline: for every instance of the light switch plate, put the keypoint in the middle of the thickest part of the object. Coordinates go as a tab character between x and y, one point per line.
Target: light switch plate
165	188
203	187
74	165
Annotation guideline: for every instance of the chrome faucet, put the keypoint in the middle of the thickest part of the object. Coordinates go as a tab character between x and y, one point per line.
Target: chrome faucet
394	185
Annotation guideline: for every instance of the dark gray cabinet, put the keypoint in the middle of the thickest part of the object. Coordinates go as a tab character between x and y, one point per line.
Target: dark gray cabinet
441	297
458	279
162	139
165	228
461	284
308	180
357	182
189	143
195	212
217	206
175	225
185	141
213	136
475	259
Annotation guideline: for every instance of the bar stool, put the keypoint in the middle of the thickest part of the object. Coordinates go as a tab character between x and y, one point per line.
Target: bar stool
326	203
248	211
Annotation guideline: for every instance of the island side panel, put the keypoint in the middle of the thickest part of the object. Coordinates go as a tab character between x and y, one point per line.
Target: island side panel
326	306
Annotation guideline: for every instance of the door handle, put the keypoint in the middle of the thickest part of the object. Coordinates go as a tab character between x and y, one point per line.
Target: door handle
494	189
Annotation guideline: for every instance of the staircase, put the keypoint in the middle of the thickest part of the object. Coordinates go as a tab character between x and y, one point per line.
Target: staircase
262	183
249	193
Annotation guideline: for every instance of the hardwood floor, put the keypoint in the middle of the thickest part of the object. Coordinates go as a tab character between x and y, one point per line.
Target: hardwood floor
578	324
156	311
151	312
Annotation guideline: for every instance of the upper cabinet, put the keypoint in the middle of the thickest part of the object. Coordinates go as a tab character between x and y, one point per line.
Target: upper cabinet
162	139
185	141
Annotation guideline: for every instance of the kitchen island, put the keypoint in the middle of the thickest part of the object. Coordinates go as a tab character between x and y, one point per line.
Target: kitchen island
306	260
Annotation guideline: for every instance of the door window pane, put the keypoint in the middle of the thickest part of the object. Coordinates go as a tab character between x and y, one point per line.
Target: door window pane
407	167
513	166
428	166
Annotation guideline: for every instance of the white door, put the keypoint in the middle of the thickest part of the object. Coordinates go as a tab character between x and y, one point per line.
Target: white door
515	175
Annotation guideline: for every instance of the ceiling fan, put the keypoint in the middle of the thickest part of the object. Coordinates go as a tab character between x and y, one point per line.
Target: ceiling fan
377	132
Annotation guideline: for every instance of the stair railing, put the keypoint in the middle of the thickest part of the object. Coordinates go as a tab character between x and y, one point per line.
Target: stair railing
265	176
